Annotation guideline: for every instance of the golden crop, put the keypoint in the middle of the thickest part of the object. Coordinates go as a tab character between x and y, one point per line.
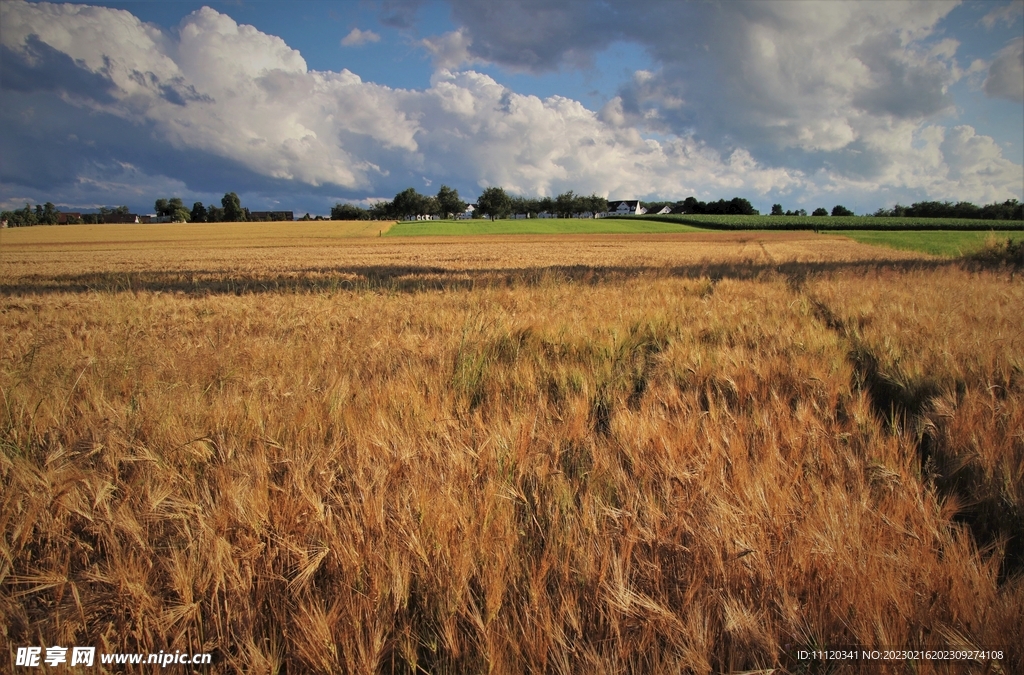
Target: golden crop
551	457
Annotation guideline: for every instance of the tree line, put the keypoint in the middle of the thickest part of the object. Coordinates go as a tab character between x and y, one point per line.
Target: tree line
1011	209
494	202
173	209
837	210
737	206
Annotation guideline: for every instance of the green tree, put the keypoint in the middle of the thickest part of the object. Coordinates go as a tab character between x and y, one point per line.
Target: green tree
596	204
431	206
777	210
47	214
408	204
173	209
449	202
566	204
840	210
348	212
519	205
495	203
380	210
20	217
233	212
819	212
199	213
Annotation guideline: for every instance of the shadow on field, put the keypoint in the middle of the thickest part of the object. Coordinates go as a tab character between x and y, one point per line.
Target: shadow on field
413	279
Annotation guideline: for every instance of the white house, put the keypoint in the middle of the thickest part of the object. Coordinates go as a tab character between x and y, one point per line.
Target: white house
658	212
626	207
467	214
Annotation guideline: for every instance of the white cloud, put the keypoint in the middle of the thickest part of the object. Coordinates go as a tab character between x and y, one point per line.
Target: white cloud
451	50
1008	14
357	37
818	83
1006	74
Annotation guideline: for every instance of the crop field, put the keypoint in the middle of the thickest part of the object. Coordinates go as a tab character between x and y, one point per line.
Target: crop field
610	453
835	223
942	243
541	226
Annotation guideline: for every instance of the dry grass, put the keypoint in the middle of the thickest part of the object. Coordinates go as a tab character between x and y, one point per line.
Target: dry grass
117	255
557	472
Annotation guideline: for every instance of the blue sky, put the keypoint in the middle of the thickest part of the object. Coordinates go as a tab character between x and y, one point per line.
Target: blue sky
300	105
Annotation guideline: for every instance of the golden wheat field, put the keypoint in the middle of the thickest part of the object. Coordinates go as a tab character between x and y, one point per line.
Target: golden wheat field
309	452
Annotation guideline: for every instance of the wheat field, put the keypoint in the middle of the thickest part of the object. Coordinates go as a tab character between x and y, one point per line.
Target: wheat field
613	454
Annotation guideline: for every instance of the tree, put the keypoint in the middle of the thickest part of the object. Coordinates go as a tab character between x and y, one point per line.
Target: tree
820	212
494	202
198	214
449	202
214	214
595	204
840	210
233	212
47	214
380	210
408	204
519	205
20	217
777	210
173	209
566	204
431	206
348	212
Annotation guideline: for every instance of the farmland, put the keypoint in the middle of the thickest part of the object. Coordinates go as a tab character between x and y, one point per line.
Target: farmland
948	243
836	223
541	226
310	452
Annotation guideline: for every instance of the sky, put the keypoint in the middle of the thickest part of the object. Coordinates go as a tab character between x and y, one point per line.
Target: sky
304	104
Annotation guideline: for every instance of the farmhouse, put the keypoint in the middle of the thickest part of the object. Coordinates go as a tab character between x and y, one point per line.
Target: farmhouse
467	214
658	212
625	207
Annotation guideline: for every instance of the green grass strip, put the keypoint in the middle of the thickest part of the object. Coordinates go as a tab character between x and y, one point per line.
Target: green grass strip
942	243
830	223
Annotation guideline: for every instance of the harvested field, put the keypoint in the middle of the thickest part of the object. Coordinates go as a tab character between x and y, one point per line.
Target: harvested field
149	259
685	453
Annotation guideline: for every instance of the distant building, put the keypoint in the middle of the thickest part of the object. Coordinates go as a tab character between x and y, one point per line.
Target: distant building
271	216
658	212
65	217
120	218
626	207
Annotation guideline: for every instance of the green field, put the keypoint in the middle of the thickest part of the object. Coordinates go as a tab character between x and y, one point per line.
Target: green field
442	228
834	223
944	243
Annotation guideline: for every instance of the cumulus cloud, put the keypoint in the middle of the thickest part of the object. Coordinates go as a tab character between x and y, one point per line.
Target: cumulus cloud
450	51
219	105
357	37
1006	74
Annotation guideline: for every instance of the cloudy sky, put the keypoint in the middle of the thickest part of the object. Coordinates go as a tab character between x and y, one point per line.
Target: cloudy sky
300	105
